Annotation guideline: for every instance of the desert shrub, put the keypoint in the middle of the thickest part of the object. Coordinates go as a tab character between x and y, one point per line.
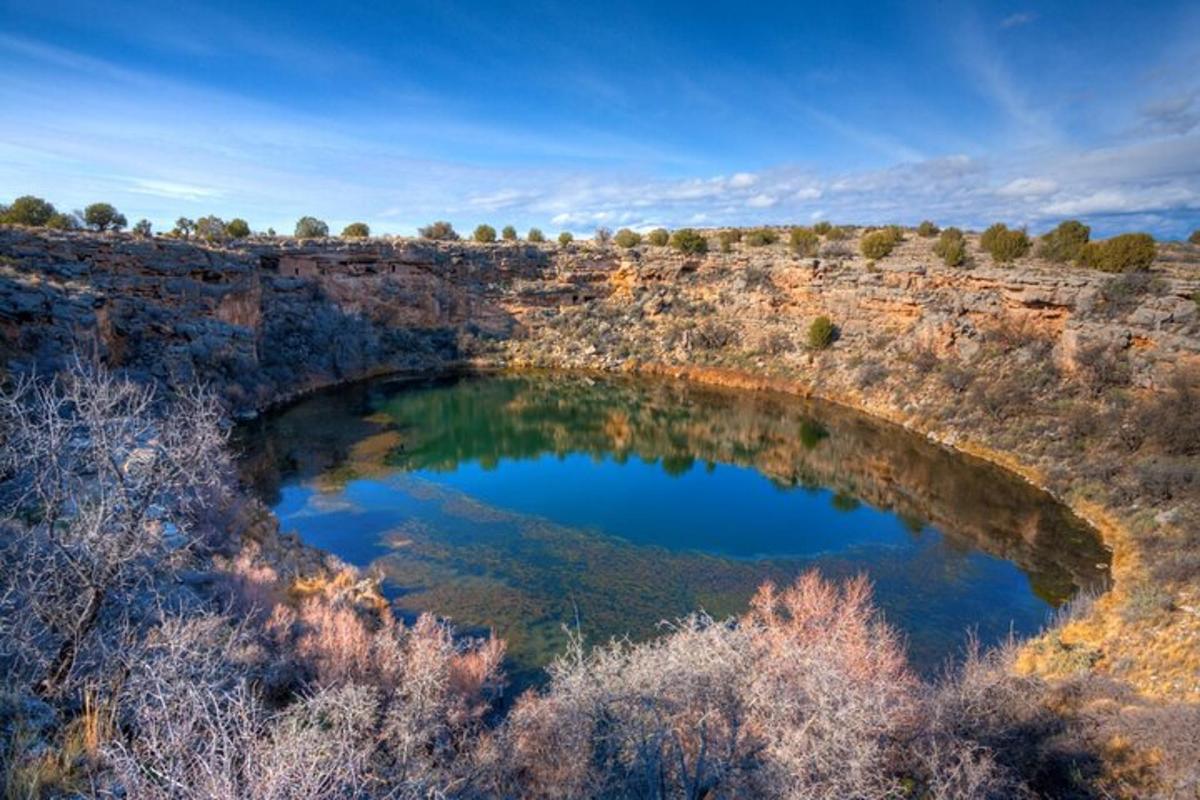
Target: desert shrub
210	228
311	228
727	238
761	237
957	377
803	241
659	237
1002	398
837	250
698	712
565	238
838	233
878	244
870	374
602	236
951	247
821	333
690	241
484	234
356	230
28	210
627	238
777	343
1065	243
535	235
509	233
1003	244
1128	252
143	228
1195	237
183	228
439	231
927	229
822	228
103	217
237	228
1171	418
62	221
710	335
1101	366
105	486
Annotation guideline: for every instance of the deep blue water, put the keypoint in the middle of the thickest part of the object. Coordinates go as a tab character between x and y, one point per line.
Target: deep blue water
520	504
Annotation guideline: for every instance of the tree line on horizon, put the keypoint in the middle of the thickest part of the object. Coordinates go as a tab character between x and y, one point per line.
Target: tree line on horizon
1069	242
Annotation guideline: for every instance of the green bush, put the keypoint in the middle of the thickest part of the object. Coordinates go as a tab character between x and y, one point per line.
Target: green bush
1129	252
928	229
438	231
627	238
238	228
804	241
1003	244
484	234
727	238
1064	243
689	240
659	237
1195	237
210	229
143	228
63	222
822	228
103	217
838	233
29	210
509	233
535	235
565	238
821	333
878	244
311	228
951	247
761	237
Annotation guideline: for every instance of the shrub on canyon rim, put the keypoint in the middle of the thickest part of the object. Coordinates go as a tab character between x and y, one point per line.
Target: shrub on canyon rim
535	235
1065	243
690	241
659	237
1003	244
602	236
1129	252
356	230
928	229
821	333
951	247
727	238
822	228
103	217
484	234
804	241
311	228
878	244
761	237
565	238
28	210
237	228
627	238
1195	237
509	233
438	231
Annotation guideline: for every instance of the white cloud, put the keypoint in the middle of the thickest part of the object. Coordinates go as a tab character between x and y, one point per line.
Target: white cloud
761	201
173	191
1028	187
1018	19
743	180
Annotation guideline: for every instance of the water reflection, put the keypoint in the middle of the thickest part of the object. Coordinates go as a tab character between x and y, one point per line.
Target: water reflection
521	503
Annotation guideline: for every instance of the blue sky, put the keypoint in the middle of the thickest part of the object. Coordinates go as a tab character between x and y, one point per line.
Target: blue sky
573	115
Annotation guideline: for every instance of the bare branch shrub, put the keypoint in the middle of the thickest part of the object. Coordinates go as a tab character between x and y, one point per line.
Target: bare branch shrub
104	487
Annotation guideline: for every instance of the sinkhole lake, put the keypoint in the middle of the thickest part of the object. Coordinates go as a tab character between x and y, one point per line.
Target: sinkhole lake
523	503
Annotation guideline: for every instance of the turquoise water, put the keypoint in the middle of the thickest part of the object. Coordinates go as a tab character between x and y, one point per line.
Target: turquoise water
523	504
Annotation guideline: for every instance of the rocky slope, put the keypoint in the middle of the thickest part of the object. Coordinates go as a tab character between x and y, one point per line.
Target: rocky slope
1086	383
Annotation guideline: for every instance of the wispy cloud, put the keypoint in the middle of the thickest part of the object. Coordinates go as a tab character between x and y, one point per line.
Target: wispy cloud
1018	19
